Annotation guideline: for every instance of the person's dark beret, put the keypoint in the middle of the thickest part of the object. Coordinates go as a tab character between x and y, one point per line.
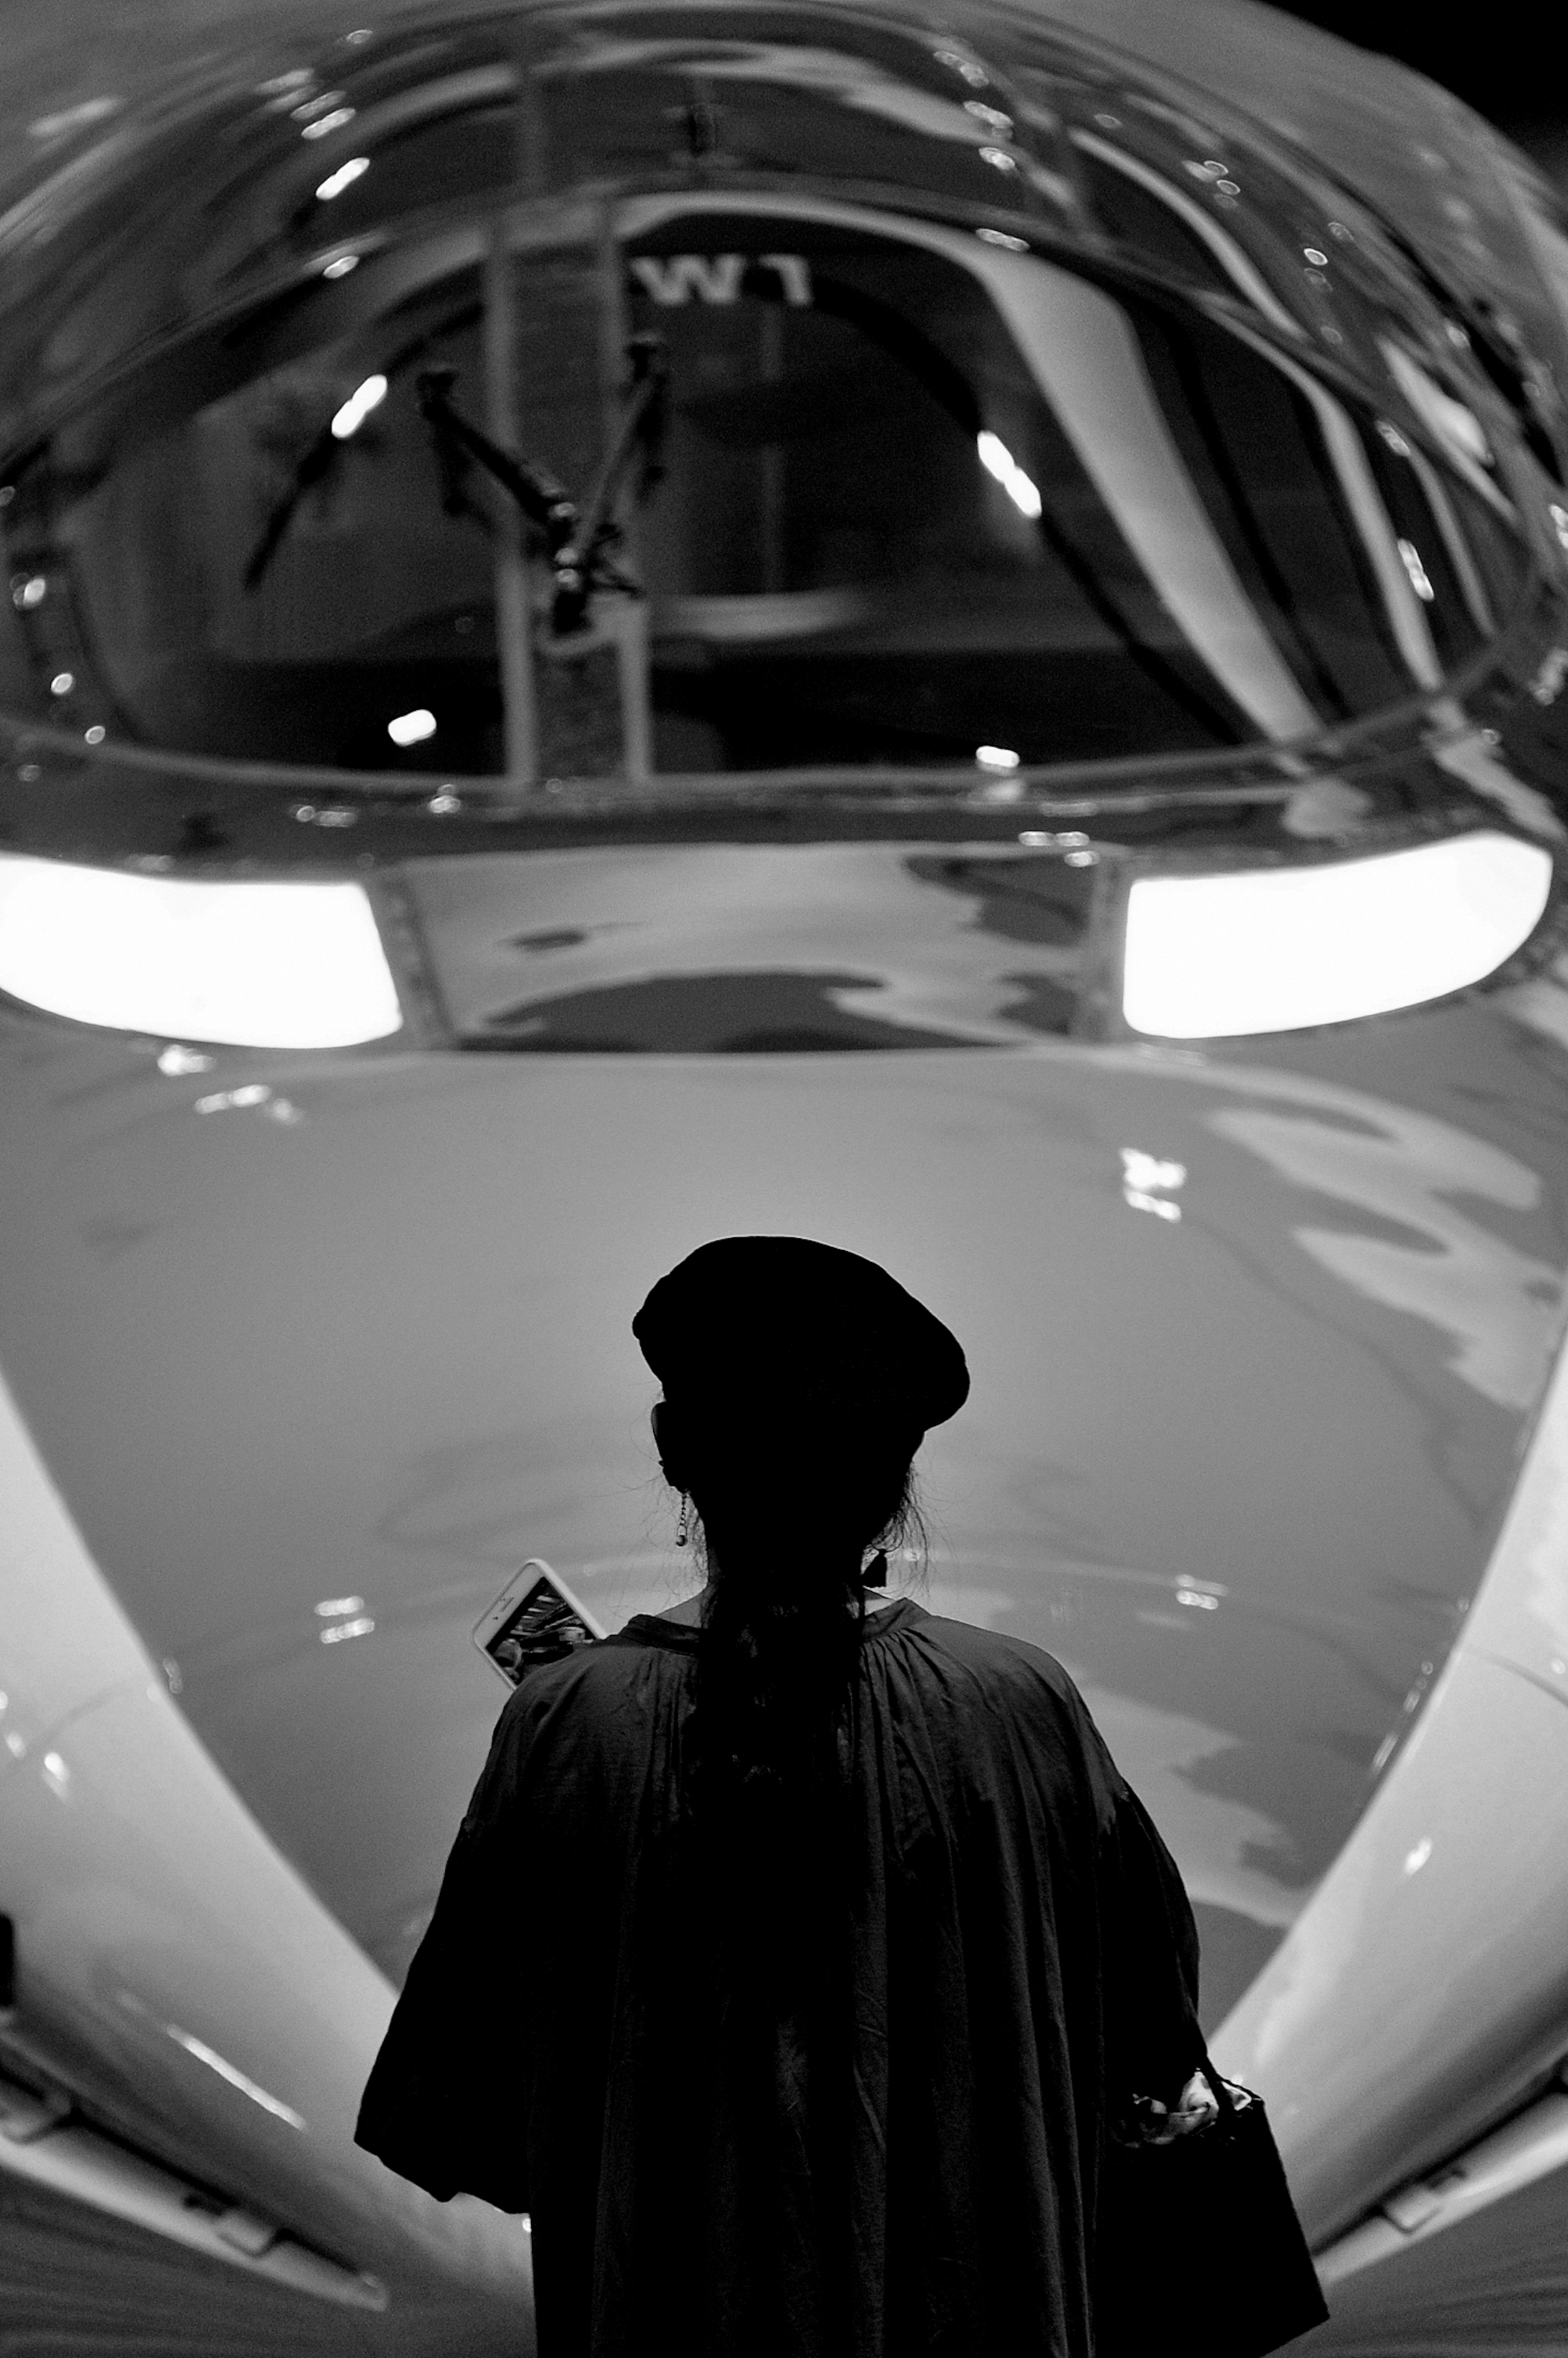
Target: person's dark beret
754	1319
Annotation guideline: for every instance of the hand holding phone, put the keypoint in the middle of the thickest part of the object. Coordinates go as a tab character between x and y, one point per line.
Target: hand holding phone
534	1620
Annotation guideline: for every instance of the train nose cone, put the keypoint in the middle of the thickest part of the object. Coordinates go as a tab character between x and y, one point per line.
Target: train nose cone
1253	1341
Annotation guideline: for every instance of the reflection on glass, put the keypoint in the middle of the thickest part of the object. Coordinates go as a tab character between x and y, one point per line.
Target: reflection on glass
343	178
263	546
1419	579
327	124
998	461
358	406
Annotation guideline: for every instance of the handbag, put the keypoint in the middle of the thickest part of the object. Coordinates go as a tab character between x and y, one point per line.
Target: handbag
1210	2211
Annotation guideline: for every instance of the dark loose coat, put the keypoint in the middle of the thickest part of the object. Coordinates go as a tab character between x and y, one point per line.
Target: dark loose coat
713	2164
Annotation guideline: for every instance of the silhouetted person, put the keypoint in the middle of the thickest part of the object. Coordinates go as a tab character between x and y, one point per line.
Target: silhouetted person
794	1957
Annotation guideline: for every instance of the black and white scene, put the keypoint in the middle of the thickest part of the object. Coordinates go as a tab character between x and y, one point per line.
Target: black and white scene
784	1180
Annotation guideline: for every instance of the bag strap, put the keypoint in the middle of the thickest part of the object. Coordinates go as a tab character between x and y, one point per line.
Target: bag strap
1222	2094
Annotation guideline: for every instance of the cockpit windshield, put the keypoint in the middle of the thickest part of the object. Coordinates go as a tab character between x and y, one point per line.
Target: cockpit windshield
906	492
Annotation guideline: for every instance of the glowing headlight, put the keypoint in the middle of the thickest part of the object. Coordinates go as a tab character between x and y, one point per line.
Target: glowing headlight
255	965
1270	951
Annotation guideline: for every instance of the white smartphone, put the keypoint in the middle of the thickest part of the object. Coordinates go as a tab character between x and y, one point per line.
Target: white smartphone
534	1620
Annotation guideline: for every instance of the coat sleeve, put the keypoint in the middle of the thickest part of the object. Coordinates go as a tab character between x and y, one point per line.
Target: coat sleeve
445	2105
1153	2040
1149	1940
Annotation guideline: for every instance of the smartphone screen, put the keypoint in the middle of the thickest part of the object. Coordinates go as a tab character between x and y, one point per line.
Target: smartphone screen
534	1620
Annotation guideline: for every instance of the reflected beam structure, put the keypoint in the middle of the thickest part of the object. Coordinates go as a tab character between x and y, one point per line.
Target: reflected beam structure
1077	344
513	602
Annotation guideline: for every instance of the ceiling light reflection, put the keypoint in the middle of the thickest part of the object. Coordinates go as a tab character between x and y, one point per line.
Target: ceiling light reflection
412	728
1161	1206
235	2078
336	1631
254	1093
1141	1170
257	964
358	406
1276	949
998	460
74	118
343	178
1409	557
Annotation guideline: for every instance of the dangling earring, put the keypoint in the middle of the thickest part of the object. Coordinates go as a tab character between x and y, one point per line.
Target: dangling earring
680	1526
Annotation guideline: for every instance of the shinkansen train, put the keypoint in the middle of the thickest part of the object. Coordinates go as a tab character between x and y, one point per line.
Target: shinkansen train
627	621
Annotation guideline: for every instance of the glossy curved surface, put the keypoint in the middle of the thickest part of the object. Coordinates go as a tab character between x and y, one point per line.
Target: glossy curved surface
1457	1859
318	1346
444	1384
966	417
915	495
177	1977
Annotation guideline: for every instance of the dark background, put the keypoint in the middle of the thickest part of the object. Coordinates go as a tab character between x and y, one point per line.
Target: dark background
1508	62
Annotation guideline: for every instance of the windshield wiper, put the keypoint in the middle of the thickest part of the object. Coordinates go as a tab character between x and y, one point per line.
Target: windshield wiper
643	419
321	455
313	468
546	504
578	545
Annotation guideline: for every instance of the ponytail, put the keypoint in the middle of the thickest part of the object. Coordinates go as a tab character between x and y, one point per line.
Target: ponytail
779	1353
771	1748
